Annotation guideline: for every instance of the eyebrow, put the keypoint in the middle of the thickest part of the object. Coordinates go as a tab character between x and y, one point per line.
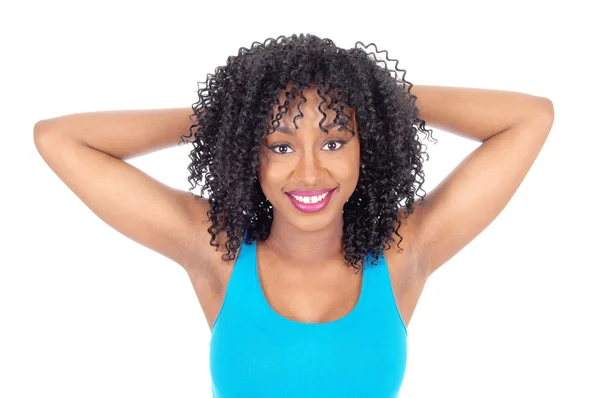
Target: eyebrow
285	130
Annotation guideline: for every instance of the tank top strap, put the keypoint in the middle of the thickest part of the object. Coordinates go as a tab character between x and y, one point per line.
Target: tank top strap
241	304
380	304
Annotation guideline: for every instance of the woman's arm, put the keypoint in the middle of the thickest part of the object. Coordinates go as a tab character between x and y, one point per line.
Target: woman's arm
475	113
123	134
88	151
512	127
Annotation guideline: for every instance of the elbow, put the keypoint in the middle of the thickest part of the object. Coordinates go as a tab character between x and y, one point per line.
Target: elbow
39	133
544	111
548	111
38	127
43	133
547	104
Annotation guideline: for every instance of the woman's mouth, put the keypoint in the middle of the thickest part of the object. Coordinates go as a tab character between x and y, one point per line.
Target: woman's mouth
315	203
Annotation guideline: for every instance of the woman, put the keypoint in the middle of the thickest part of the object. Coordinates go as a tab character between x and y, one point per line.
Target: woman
310	254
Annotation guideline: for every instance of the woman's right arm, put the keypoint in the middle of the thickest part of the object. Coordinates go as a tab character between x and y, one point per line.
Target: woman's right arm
87	151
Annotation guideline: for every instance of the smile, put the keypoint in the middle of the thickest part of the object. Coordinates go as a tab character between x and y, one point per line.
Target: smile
311	204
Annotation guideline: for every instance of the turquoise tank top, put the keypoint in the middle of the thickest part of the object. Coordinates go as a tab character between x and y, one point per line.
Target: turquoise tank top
255	352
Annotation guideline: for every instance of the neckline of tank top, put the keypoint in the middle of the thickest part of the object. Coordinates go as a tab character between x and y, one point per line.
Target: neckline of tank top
346	318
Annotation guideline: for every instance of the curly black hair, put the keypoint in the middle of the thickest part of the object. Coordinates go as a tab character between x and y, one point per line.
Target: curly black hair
232	119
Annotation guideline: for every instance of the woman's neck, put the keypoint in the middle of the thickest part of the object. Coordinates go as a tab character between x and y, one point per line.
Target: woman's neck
306	249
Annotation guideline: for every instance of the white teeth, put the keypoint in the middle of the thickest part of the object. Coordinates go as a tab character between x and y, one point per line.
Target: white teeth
310	199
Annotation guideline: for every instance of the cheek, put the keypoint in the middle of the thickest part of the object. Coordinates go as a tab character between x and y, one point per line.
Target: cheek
349	175
347	167
264	164
266	167
269	175
350	170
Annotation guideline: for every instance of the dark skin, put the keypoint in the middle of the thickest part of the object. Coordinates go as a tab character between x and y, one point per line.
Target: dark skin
309	160
87	151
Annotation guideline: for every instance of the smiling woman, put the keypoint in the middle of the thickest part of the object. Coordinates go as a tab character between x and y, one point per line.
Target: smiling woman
310	159
285	306
372	160
308	151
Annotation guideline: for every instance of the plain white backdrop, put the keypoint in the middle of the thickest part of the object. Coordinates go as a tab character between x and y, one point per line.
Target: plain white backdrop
86	312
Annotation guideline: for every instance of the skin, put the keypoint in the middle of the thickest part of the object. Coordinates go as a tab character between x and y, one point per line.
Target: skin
310	160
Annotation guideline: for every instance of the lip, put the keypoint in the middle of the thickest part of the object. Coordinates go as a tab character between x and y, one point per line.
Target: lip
311	207
310	193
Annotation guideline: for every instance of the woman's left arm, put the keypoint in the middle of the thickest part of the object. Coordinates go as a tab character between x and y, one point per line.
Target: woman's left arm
512	128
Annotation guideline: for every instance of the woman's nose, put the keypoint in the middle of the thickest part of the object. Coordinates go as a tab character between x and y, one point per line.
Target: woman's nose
309	169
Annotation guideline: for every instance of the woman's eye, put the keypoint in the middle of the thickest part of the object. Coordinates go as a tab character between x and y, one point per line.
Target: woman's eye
280	146
331	145
283	149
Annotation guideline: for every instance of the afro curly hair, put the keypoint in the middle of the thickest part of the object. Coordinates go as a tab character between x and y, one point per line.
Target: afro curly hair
232	119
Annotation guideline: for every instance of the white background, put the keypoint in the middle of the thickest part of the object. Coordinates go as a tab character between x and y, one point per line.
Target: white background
86	312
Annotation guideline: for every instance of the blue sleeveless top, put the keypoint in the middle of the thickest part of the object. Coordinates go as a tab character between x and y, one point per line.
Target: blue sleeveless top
255	352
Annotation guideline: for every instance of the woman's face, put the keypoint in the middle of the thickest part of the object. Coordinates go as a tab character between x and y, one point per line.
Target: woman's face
309	159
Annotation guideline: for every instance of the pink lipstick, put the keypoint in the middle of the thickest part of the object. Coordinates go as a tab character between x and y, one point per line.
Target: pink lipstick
310	207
